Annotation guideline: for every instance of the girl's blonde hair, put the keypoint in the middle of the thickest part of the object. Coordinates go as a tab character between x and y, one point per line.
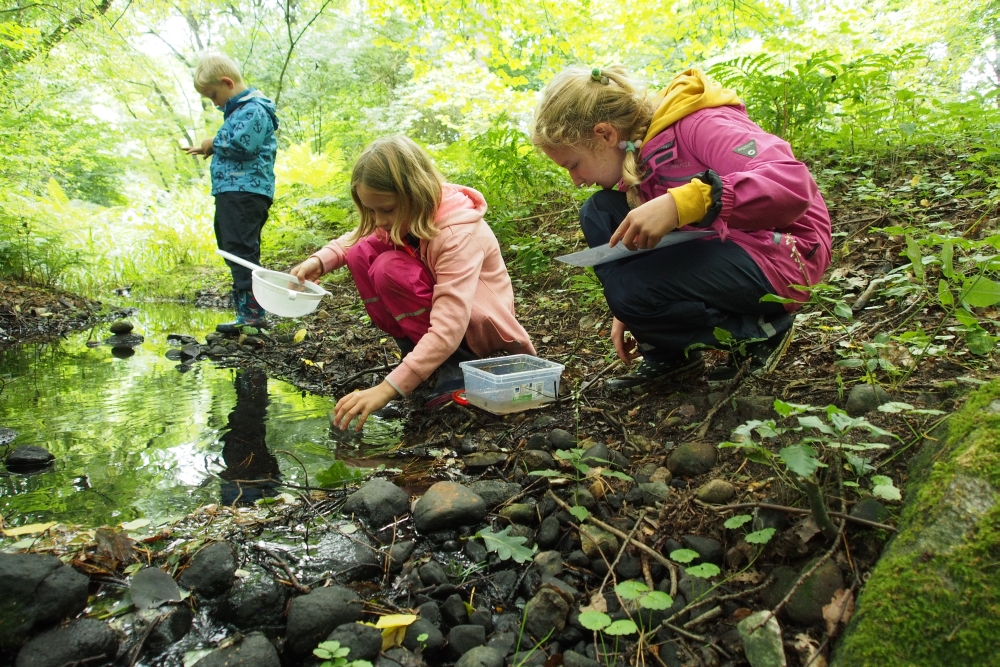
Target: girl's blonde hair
397	165
212	67
577	99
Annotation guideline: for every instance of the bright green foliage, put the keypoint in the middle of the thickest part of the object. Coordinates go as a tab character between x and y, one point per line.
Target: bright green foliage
335	655
683	555
762	536
737	521
339	473
594	620
506	546
703	571
621	627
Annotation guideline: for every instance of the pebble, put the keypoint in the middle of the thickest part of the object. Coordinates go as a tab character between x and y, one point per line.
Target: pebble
870	509
692	459
536	459
493	492
481	656
483	460
254	602
446	505
254	650
312	617
545	613
522	513
708	549
431	643
211	571
864	398
121	327
538	441
464	638
83	641
596	541
562	439
399	553
548	533
37	589
716	492
378	501
28	457
432	574
454	611
364	640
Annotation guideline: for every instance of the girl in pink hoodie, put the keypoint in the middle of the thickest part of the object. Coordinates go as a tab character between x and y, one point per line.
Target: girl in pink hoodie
687	158
429	271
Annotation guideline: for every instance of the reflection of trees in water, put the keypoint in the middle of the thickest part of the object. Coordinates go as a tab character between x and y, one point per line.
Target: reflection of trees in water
250	467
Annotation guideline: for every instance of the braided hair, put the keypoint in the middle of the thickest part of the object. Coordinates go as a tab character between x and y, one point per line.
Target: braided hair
577	99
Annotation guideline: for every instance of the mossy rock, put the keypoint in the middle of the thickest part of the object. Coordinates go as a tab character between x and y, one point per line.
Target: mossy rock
933	598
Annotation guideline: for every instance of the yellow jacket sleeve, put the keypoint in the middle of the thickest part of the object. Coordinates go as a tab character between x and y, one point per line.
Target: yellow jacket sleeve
693	201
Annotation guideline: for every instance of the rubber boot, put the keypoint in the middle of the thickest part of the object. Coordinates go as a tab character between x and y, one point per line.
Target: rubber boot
405	346
450	378
249	313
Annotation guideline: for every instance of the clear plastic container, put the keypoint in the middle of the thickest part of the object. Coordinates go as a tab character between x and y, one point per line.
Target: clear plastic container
502	385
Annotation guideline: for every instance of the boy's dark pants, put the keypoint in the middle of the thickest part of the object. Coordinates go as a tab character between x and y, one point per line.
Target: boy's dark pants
239	218
676	296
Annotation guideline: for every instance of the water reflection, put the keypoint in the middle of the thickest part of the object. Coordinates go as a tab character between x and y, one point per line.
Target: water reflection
251	469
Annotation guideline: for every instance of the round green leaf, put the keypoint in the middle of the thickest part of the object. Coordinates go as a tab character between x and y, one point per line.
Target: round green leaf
761	536
737	521
656	600
703	571
622	627
594	620
683	555
579	512
630	590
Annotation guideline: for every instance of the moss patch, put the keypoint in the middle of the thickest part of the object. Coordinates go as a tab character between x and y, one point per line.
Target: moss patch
934	598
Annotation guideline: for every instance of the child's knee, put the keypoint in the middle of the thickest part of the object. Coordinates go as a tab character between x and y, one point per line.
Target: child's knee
396	271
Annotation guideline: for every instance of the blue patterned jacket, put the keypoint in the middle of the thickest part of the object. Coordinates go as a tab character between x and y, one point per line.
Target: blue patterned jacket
244	148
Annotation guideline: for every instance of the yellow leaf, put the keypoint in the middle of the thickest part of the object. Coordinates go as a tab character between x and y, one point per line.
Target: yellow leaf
300	336
31	529
392	637
308	362
915	180
395	621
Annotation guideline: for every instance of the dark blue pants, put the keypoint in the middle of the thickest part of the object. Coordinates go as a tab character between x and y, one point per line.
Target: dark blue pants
676	296
239	219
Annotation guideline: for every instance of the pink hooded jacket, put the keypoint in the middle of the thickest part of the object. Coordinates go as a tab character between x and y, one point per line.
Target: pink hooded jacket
764	199
473	297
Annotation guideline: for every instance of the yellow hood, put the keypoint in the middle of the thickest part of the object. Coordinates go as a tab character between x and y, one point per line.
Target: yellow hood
688	92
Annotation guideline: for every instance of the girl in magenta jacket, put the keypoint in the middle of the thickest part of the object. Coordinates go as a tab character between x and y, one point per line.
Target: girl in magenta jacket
428	269
687	158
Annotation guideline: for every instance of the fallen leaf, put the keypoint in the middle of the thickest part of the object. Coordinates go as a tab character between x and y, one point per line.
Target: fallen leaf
300	336
115	544
839	610
30	529
807	648
597	603
806	529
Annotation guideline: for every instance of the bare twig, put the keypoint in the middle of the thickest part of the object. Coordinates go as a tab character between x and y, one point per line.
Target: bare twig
625	542
797	510
279	561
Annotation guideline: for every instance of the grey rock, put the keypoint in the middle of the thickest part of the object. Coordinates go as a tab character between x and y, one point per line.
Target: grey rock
350	555
596	455
464	638
7	435
548	533
37	589
184	339
378	502
582	497
965	502
482	460
536	459
254	650
505	580
864	398
805	607
538	441
125	340
447	505
312	617
400	657
561	439
481	656
475	551
692	459
710	550
574	659
430	611
548	563
596	541
217	351
629	567
716	492
364	641
493	492
86	640
151	587
121	327
399	553
503	642
483	617
754	407
256	601
211	570
190	351
696	588
763	647
645	473
432	574
28	456
545	613
870	509
433	642
522	513
454	611
528	658
171	625
654	492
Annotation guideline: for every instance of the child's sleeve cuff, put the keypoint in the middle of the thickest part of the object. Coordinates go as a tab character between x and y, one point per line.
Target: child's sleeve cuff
693	201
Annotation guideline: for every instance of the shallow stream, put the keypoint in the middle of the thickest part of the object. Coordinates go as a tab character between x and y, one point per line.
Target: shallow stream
145	437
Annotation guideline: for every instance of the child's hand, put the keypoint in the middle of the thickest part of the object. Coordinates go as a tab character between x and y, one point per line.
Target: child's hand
311	269
627	349
205	150
362	403
645	225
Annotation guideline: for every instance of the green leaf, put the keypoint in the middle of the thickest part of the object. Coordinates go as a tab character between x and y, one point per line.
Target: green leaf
892	407
546	473
703	571
788	409
774	298
944	293
622	627
966	318
737	521
980	342
947	262
683	555
722	335
800	459
915	257
594	620
812	421
579	512
656	600
882	487
616	474
339	473
981	292
630	590
506	546
760	537
843	311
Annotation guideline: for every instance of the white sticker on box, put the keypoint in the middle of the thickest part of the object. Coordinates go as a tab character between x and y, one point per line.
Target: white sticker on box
527	392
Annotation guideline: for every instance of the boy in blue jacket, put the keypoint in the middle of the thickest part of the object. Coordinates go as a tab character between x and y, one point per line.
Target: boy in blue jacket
242	174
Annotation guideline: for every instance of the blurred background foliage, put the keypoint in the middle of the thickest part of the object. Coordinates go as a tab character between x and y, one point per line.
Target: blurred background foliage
96	101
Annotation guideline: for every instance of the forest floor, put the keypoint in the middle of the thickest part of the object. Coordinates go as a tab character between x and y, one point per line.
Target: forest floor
570	325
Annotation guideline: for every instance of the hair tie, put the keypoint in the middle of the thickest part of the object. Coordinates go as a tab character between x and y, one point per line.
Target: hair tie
595	75
630	146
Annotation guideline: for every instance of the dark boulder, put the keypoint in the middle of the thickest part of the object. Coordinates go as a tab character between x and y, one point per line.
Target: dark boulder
82	642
